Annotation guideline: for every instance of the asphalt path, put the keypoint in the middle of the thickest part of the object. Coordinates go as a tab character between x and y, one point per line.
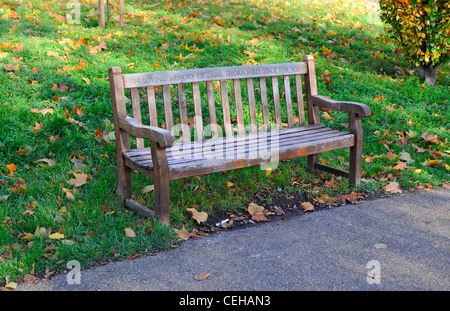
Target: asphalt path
400	243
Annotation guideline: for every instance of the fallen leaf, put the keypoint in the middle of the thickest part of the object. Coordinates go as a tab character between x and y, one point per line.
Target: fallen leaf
431	162
37	127
229	184
431	138
418	149
202	276
392	187
185	235
80	179
86	80
405	156
400	166
11	67
307	206
11	168
129	233
257	212
11	286
50	53
43	111
99	134
48	161
56	236
148	188
3	198
78	111
199	216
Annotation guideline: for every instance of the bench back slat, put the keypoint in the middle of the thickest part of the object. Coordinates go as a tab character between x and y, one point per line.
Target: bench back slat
287	95
167	108
198	120
151	102
212	109
197	104
264	102
136	109
239	112
276	101
299	91
225	108
183	112
251	105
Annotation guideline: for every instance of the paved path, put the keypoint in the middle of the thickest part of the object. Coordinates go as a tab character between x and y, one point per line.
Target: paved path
403	239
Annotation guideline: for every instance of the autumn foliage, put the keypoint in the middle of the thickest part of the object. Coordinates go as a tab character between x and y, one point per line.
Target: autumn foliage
423	29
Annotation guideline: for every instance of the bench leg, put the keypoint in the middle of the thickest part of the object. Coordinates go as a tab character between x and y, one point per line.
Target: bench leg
355	151
161	182
312	160
124	182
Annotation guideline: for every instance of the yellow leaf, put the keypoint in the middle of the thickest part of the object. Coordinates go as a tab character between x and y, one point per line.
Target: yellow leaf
50	53
56	236
229	184
11	286
11	168
86	80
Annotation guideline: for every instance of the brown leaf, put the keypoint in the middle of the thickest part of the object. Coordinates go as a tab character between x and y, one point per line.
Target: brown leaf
43	111
185	235
257	212
129	233
431	138
392	187
400	166
307	206
11	67
80	179
99	134
202	276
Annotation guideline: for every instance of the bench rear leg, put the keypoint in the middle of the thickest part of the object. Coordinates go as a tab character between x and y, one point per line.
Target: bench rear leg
312	160
161	182
123	182
355	151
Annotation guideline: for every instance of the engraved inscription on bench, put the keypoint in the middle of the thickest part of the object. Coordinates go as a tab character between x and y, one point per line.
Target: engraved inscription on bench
209	74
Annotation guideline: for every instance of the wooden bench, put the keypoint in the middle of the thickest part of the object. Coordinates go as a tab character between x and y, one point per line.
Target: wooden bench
214	135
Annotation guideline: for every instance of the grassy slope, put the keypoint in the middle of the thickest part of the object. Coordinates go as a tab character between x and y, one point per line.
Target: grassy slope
344	37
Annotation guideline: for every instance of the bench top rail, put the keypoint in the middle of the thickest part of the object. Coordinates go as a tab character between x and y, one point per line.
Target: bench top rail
158	78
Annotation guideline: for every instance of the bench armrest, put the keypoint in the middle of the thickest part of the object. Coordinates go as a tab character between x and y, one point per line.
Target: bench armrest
361	109
163	137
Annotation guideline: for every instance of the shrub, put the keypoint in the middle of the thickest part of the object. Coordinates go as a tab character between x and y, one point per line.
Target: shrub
423	29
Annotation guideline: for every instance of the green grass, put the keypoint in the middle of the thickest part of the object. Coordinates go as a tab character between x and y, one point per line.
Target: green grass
346	38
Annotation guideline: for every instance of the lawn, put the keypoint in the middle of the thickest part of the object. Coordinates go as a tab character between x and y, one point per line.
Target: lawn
56	118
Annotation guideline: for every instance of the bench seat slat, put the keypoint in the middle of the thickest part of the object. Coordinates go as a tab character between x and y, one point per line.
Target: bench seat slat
241	151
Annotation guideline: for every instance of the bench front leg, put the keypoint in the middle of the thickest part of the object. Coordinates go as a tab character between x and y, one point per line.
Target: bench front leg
161	182
355	160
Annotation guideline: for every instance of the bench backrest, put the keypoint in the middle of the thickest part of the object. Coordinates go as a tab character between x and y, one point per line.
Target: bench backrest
226	101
